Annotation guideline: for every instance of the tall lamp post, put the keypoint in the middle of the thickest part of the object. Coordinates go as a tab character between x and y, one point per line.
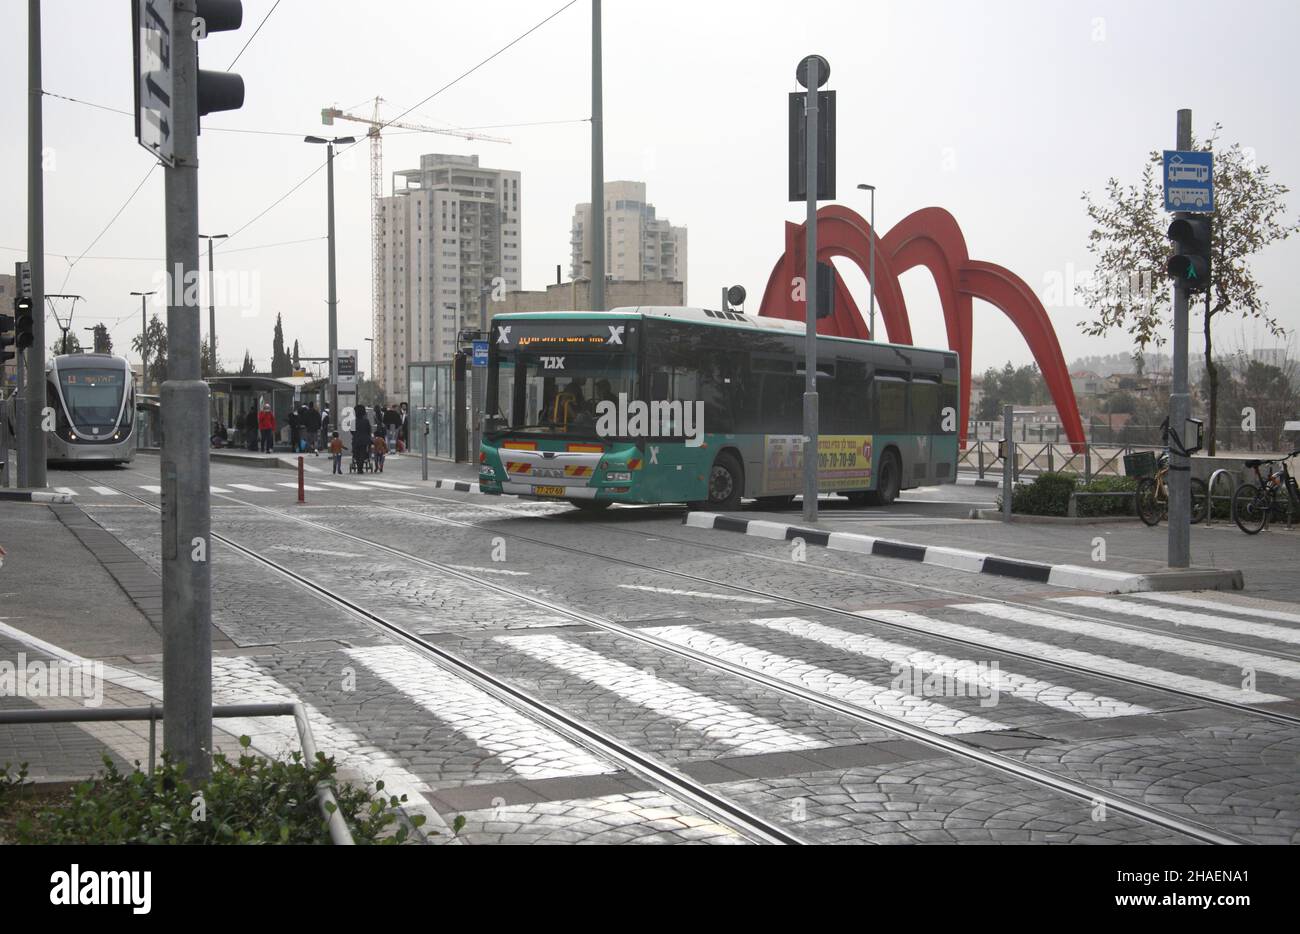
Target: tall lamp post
144	341
871	269
333	301
212	311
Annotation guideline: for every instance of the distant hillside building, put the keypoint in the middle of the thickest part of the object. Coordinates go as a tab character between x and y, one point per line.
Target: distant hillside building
639	246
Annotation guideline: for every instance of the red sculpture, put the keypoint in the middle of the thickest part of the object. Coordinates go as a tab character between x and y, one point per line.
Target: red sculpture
931	238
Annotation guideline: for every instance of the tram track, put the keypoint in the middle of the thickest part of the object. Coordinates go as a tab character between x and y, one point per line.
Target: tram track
664	774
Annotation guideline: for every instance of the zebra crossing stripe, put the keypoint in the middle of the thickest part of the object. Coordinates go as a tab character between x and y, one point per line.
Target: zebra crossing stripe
1058	696
1141	639
66	491
886	700
105	491
1156	676
339	485
724	723
306	486
386	486
1187	618
156	490
525	747
1223	607
251	488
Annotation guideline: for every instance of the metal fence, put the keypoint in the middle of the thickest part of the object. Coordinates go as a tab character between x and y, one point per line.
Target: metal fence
1093	460
1229	435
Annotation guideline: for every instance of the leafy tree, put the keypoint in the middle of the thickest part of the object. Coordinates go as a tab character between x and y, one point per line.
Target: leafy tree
209	366
73	345
246	368
296	364
1130	243
369	392
1011	386
103	340
281	365
155	343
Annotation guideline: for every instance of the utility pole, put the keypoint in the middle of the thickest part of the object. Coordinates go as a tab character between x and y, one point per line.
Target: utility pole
32	452
212	309
1180	485
332	299
186	519
596	236
810	445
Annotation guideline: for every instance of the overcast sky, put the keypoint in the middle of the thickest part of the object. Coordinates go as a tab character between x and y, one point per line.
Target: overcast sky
1000	112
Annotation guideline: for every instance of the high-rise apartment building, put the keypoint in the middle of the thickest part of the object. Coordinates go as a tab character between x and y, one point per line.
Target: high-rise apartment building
638	245
449	229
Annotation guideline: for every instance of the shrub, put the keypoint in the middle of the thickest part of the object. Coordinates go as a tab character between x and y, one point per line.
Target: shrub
1107	505
1048	494
252	800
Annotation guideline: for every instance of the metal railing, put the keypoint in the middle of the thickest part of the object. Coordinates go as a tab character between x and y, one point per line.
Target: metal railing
340	835
1092	461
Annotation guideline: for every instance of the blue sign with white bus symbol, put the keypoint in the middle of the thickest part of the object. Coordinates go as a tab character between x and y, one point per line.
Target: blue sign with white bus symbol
1189	181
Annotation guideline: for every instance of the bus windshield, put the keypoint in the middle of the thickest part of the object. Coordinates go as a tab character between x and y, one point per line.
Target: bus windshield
93	396
555	393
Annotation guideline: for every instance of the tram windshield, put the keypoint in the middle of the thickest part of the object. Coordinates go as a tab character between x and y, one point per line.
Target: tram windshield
93	395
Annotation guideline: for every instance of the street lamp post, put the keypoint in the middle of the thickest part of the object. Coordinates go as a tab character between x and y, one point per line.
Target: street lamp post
144	342
212	311
332	300
871	269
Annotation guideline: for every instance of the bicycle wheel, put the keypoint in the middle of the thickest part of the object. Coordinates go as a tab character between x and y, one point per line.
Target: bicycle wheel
1249	508
1200	500
1148	508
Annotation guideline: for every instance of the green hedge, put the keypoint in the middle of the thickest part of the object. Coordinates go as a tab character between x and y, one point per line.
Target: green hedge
252	800
1048	494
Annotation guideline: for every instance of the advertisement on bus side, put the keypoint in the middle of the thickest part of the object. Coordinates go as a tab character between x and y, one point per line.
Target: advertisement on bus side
843	462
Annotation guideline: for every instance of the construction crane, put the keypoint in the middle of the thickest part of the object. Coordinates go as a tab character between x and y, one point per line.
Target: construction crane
375	124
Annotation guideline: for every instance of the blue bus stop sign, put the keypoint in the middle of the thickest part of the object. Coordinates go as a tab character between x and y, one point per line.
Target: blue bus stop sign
480	353
1189	181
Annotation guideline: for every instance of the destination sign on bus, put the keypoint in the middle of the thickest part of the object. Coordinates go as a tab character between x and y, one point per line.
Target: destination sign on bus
562	335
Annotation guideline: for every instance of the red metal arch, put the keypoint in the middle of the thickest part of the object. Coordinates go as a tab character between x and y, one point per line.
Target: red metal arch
930	238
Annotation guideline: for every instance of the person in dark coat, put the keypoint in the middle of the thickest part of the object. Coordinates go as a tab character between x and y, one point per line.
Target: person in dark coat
392	424
295	428
249	424
361	435
311	424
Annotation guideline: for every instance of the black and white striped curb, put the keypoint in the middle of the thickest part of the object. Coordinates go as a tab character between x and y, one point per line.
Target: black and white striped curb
1061	575
35	496
461	486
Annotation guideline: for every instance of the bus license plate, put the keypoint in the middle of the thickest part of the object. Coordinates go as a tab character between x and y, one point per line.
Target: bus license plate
548	491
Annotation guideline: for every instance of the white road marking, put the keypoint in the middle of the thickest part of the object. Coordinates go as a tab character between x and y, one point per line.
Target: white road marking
1186	618
1058	696
299	549
694	593
1224	606
157	490
1145	640
67	490
522	745
105	491
251	488
881	698
385	485
722	722
306	486
217	489
470	567
1047	651
340	485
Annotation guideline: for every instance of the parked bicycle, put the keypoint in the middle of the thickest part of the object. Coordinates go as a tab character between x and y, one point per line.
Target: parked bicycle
1273	496
1153	495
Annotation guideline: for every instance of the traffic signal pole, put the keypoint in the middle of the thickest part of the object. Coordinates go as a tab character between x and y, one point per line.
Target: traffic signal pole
32	448
810	305
1179	477
186	540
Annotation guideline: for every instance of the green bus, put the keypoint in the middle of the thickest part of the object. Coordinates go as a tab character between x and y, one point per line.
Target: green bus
684	405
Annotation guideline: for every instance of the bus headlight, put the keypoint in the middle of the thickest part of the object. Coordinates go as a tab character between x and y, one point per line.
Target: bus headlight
623	476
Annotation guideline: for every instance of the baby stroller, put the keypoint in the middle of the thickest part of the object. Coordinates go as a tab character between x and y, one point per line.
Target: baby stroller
361	461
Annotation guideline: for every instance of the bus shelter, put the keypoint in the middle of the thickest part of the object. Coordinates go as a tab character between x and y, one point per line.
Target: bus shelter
436	393
233	397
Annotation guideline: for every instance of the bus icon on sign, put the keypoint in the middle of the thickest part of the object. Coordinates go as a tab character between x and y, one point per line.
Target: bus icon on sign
1188	196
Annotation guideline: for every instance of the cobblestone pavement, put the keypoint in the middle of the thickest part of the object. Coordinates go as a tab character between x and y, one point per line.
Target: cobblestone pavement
827	777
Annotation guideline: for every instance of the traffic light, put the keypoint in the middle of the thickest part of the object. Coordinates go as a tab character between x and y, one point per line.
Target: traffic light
24	323
1190	264
7	338
218	90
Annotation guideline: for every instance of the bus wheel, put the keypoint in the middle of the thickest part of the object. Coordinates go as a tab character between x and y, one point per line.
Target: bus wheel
887	483
776	502
726	482
591	505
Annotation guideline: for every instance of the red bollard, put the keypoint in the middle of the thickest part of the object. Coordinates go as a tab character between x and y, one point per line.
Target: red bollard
302	493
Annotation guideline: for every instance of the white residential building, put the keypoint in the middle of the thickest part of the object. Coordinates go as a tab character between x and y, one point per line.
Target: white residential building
638	245
449	229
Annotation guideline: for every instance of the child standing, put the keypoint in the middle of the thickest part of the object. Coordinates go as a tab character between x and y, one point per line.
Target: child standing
336	452
379	448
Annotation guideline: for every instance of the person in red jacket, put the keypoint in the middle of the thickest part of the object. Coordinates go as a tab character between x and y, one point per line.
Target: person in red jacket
266	425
